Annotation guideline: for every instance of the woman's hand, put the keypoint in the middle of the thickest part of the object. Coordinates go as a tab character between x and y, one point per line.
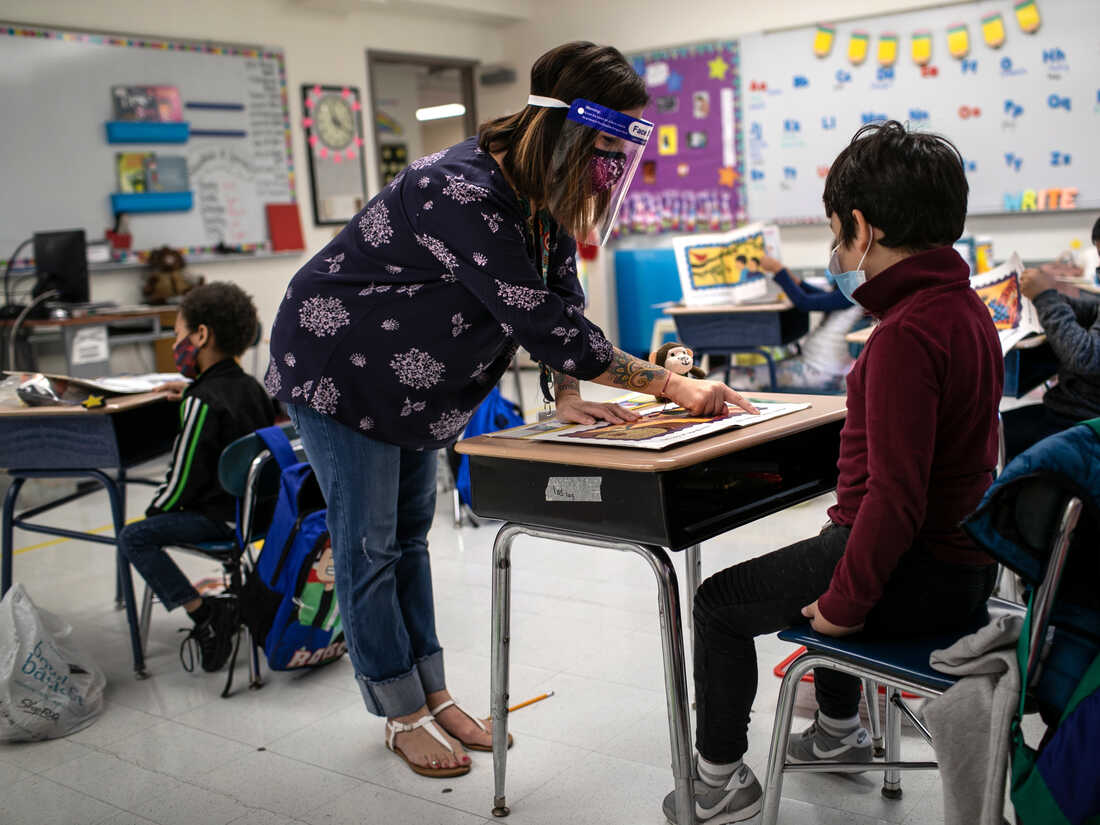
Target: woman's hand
705	397
572	409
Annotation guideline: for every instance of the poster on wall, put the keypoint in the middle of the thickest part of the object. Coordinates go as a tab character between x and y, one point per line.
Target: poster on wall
725	268
1011	83
690	178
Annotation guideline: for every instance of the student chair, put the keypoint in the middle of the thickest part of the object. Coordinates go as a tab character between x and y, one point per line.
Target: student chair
247	471
898	665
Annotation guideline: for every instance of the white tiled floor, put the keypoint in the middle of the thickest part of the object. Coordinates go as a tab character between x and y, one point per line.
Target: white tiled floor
168	750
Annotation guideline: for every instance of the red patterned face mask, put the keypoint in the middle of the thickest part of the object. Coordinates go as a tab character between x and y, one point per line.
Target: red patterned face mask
187	358
606	168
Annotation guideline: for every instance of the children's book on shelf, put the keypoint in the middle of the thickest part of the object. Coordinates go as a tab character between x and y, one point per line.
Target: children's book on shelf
1013	314
131	171
166	173
147	103
661	425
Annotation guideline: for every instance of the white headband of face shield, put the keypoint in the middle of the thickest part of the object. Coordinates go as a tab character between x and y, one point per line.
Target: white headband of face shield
546	102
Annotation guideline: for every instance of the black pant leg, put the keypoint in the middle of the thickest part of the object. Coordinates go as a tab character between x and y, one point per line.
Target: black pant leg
759	596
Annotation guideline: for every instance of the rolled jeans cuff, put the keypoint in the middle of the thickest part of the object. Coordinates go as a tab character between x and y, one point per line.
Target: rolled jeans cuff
406	693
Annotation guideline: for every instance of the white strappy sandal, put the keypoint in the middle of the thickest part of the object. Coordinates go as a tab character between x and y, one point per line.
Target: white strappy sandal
427	721
472	746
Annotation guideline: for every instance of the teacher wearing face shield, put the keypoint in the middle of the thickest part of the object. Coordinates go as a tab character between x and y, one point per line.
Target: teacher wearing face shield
390	337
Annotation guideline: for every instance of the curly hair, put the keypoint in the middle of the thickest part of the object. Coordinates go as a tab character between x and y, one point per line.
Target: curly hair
228	312
911	185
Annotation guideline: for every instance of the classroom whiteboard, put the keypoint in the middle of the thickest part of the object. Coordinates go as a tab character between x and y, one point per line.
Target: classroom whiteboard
59	170
1025	115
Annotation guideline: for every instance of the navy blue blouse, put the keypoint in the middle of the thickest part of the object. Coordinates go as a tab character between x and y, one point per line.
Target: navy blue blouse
402	324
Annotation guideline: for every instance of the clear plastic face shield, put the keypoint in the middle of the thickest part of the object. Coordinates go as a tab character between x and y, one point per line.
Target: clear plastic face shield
594	161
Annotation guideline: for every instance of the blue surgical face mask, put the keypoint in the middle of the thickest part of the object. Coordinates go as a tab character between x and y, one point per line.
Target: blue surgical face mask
847	282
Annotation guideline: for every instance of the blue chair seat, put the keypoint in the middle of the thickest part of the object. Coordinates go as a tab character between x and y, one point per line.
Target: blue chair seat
215	549
905	658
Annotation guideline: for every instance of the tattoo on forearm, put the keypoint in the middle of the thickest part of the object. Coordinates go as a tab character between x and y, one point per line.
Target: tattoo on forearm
627	371
565	383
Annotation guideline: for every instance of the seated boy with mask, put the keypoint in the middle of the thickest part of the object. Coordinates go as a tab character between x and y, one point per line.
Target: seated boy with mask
215	325
916	454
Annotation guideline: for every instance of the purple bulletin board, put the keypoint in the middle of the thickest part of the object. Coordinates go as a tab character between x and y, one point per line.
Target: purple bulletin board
690	178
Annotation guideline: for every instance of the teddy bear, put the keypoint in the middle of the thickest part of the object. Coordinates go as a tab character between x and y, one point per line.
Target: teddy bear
678	359
166	281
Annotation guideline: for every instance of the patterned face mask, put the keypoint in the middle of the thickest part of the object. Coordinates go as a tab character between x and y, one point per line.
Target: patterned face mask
606	168
187	358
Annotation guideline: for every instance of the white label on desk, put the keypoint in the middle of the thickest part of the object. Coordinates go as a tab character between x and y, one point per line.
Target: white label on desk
580	488
89	346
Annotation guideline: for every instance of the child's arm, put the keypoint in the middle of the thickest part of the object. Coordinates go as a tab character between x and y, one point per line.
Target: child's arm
1074	336
803	296
903	389
194	459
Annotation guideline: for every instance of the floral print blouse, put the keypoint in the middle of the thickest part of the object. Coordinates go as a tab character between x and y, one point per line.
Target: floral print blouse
402	324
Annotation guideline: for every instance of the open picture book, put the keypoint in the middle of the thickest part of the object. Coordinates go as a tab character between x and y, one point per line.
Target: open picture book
1013	314
660	427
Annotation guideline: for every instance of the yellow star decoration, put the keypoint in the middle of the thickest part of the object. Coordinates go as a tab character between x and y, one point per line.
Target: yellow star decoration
727	176
718	68
92	401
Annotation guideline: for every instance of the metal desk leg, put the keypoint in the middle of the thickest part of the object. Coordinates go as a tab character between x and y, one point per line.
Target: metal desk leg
119	601
501	639
7	551
123	566
672	647
771	368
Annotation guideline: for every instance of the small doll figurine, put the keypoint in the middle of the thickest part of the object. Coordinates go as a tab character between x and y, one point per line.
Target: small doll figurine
677	358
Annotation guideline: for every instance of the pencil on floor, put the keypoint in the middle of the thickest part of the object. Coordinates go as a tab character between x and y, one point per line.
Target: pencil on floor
531	701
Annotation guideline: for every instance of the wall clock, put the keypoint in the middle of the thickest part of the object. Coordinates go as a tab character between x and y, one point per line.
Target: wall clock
333	126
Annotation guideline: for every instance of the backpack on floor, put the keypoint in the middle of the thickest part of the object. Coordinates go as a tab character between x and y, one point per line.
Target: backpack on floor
289	597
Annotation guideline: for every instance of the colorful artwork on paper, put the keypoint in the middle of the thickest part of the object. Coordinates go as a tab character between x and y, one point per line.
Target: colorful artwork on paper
1002	298
725	268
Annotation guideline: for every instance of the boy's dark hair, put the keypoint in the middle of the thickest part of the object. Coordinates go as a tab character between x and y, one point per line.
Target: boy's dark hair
910	185
755	260
228	312
741	259
1096	230
528	138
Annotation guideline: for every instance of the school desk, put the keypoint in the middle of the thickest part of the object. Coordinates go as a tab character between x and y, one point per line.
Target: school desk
88	339
645	502
79	443
1027	365
723	329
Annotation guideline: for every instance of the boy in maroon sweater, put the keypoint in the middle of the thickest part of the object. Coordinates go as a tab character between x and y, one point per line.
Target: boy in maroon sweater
916	454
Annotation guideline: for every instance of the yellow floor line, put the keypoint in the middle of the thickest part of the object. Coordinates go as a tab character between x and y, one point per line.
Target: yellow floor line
63	539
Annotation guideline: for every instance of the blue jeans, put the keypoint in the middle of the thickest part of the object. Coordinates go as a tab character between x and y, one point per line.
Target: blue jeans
142	543
381	501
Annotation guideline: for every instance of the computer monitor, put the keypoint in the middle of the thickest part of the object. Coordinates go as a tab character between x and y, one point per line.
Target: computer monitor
61	259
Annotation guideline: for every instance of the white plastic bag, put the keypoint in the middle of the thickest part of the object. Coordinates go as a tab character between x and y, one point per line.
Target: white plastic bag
47	687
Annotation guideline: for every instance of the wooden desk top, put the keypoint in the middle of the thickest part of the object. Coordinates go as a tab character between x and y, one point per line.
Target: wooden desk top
101	318
860	336
111	405
824	409
717	309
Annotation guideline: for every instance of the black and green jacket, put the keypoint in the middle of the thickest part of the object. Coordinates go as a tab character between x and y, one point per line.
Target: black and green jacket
221	405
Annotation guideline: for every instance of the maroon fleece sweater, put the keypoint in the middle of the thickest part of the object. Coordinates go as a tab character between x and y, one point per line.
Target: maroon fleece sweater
920	442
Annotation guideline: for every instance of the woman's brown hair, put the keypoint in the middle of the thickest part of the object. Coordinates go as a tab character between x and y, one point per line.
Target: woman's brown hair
528	138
